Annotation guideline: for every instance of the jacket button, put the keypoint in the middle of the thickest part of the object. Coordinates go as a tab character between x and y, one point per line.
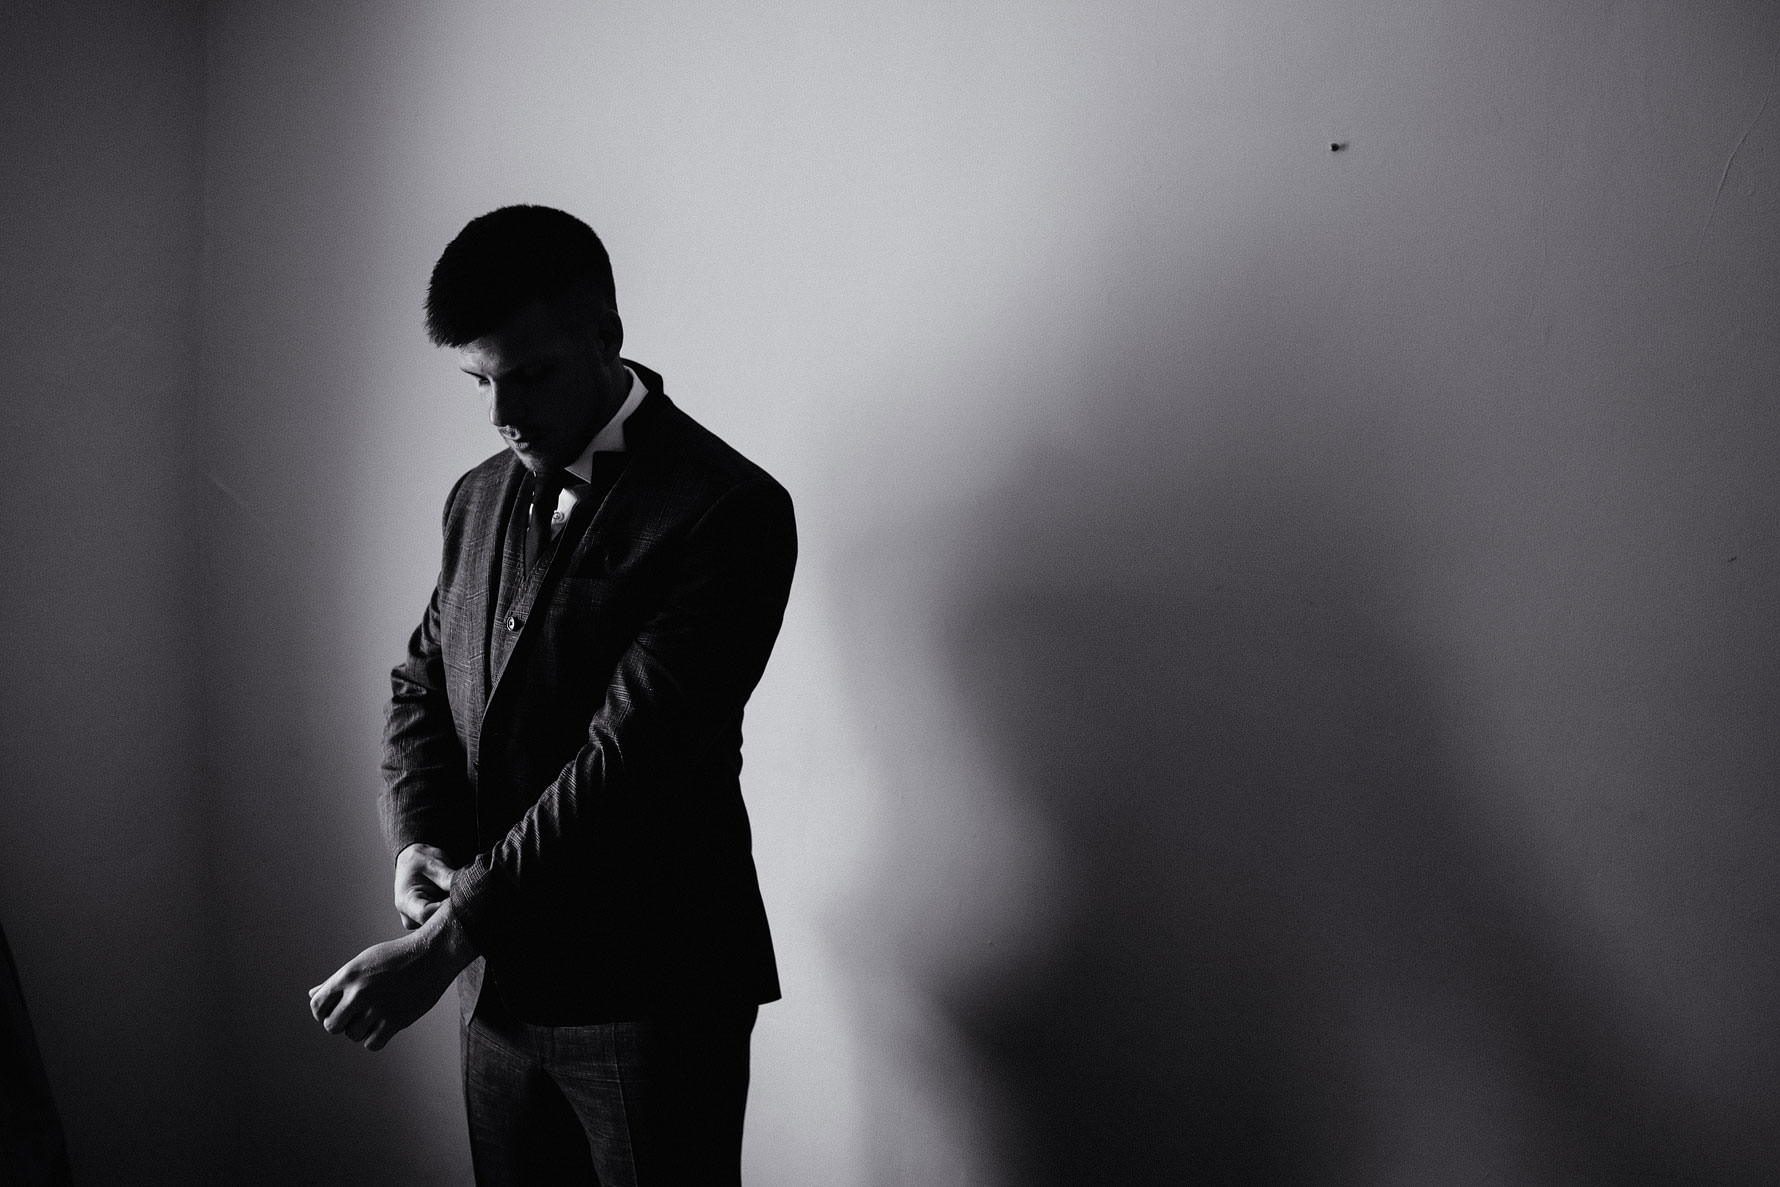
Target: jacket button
513	622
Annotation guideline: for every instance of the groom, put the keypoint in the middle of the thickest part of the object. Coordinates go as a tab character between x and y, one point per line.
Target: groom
563	744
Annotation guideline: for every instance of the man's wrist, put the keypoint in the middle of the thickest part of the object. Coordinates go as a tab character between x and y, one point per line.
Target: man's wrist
447	941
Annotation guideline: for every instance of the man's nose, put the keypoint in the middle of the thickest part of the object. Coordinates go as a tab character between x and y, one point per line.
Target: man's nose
503	405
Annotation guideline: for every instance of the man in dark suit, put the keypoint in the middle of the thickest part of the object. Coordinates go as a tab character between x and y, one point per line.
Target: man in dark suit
563	745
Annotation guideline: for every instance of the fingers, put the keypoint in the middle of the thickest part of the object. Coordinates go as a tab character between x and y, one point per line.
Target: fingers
322	1000
416	903
360	1027
338	1014
417	897
438	873
425	862
409	906
331	1005
380	1034
341	1013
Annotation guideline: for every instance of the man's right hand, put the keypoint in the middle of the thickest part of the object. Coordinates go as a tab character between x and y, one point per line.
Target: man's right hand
423	883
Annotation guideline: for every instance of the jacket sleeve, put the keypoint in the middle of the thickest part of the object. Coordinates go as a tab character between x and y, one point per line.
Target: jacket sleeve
426	791
678	687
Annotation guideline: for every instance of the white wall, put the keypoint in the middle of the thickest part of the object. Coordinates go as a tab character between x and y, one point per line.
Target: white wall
1279	681
104	892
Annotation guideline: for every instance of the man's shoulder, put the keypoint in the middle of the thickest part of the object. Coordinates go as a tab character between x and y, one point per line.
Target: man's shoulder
677	439
685	464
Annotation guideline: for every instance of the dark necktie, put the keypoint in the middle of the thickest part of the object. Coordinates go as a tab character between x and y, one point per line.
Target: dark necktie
548	490
545	492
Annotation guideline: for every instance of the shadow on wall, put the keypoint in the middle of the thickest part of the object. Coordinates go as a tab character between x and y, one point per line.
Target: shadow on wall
1288	937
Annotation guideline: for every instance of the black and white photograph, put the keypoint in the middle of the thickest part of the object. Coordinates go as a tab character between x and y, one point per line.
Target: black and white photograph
985	593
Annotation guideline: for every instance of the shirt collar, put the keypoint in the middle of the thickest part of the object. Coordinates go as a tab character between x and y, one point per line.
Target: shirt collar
610	438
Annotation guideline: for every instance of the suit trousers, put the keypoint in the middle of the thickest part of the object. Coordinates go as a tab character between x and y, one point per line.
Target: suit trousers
656	1103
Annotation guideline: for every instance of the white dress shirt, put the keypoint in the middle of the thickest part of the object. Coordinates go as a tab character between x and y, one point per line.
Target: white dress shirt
610	439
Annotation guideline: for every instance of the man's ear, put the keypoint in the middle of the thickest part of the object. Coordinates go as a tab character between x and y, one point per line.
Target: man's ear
611	334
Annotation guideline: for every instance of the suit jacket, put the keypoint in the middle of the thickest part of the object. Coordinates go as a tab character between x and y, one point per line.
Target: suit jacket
571	734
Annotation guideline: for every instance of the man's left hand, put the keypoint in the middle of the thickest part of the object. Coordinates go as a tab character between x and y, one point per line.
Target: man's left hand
388	986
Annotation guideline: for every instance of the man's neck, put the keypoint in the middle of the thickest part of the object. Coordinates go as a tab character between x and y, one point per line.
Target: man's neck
609	438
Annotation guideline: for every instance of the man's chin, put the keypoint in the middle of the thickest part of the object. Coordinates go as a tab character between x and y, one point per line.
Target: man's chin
532	459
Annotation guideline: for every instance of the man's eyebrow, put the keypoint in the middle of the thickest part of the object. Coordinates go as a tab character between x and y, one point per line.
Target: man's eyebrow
475	374
524	362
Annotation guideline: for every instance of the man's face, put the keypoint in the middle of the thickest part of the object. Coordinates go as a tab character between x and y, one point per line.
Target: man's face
548	382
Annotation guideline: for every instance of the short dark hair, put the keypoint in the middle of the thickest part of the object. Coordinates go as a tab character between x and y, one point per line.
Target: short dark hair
503	260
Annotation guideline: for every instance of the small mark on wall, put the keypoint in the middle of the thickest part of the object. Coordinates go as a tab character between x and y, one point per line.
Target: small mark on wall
1338	146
